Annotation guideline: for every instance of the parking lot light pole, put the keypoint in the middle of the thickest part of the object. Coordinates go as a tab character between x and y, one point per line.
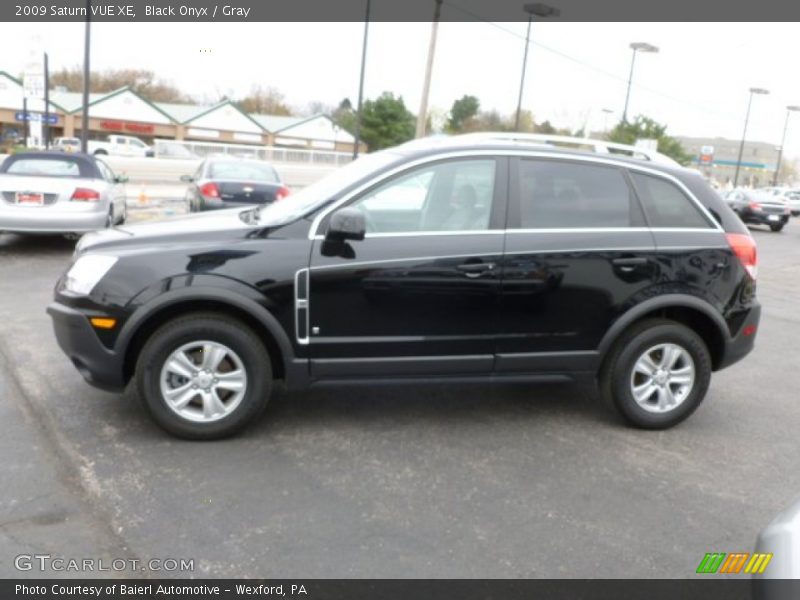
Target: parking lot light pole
744	133
789	111
86	68
539	10
636	47
361	83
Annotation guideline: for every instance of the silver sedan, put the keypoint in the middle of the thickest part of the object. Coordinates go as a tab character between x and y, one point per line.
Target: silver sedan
53	192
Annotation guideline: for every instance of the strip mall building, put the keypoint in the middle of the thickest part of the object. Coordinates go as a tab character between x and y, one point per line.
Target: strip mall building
124	111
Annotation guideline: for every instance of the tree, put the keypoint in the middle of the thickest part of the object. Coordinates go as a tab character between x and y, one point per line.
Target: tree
645	128
141	81
386	122
464	110
264	101
345	117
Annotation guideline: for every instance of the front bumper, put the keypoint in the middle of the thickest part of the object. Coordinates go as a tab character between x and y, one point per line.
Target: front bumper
51	220
99	366
741	344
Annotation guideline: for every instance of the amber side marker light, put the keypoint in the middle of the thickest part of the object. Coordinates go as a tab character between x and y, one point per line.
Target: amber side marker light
103	322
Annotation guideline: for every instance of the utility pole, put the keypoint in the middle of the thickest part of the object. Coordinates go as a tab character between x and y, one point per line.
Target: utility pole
422	117
361	84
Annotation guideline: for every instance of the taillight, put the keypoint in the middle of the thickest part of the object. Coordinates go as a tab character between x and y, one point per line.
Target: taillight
744	247
209	190
755	206
282	192
85	195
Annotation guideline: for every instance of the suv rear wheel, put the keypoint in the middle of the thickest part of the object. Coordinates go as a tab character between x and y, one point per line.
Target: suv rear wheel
204	376
657	374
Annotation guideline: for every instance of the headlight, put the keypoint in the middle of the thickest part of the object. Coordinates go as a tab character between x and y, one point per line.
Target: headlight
87	272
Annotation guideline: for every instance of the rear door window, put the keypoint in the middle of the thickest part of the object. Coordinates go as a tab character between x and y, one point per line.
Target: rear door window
556	194
666	205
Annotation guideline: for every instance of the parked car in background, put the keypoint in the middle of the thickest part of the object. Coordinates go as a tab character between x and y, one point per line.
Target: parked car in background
168	149
67	144
759	208
225	182
471	259
120	145
792	197
55	192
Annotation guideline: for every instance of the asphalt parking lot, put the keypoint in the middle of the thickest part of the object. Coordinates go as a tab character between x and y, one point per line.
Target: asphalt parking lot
425	482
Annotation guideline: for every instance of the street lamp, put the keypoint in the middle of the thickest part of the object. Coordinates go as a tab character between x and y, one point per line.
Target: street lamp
86	76
636	47
543	11
789	110
744	133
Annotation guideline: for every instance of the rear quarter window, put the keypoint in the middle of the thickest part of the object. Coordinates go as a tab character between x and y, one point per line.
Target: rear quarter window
666	205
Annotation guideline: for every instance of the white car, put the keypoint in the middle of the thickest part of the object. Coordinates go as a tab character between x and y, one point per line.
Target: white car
67	144
55	192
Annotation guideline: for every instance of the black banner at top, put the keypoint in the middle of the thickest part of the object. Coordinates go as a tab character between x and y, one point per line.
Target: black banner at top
395	10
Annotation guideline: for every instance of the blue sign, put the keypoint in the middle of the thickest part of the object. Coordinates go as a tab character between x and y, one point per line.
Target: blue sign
32	116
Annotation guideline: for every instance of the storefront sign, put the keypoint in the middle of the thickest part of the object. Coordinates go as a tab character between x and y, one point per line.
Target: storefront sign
123	126
32	116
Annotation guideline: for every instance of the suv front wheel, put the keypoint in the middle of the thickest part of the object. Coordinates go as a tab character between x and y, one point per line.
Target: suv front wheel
657	374
204	376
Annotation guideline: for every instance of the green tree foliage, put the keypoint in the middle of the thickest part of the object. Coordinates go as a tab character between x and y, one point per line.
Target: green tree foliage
142	81
646	128
386	122
463	111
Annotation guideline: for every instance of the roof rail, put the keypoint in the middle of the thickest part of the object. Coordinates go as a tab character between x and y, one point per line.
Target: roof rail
565	141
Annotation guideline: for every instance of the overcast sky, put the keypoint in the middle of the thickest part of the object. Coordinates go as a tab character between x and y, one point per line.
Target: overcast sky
697	83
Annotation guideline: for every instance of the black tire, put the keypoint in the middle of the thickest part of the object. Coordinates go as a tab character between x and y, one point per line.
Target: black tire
124	216
616	377
216	328
776	228
100	153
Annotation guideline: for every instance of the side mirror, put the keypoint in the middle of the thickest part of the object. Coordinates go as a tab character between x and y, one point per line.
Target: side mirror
187	178
121	179
347	224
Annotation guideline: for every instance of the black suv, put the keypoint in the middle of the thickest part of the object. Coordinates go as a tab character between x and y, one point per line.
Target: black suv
459	260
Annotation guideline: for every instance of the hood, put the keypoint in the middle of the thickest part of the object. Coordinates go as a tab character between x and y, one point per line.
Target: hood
196	228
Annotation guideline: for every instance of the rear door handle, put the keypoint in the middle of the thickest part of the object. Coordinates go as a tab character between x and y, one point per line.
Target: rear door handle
475	269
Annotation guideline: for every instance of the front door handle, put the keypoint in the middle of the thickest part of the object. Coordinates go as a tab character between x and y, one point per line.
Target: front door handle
475	269
630	263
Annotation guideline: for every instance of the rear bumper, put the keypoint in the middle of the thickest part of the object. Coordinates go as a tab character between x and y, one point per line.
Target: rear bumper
51	220
766	218
98	365
740	345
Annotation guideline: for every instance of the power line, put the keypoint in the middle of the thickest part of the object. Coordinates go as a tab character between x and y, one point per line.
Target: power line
706	109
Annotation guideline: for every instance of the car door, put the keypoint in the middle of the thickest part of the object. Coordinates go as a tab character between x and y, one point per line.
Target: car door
577	251
418	295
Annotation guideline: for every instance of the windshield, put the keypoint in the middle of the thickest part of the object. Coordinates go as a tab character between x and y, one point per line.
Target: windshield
320	192
242	171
